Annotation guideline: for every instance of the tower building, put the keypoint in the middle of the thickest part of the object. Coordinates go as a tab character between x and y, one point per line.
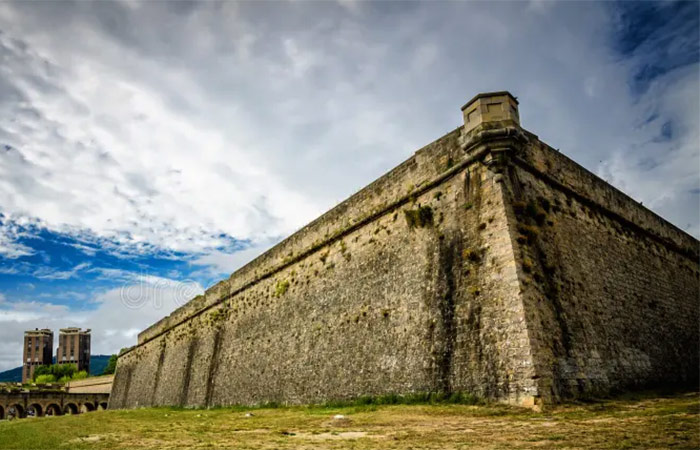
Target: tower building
74	348
38	345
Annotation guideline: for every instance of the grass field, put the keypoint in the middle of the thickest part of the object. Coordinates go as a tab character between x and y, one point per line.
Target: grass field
644	420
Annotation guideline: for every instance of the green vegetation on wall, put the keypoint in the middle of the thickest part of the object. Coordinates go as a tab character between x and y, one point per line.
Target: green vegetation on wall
420	217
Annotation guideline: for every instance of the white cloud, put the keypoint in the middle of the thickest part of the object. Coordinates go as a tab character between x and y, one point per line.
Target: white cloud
9	234
121	313
131	168
218	263
172	134
49	273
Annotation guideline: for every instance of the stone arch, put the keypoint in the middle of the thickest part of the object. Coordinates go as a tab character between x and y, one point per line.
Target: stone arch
37	409
102	406
53	410
87	407
71	408
16	411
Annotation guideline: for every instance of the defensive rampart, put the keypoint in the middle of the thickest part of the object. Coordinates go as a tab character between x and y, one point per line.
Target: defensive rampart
486	263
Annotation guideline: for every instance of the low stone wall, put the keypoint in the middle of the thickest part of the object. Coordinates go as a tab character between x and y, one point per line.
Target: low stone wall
91	385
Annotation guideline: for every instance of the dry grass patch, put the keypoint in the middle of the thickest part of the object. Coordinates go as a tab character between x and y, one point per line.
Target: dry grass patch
647	420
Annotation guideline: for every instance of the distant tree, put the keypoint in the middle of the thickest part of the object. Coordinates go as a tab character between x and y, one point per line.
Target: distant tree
79	375
111	365
45	379
42	370
63	370
59	371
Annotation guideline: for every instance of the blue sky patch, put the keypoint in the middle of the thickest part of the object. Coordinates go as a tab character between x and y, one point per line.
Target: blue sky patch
662	36
63	270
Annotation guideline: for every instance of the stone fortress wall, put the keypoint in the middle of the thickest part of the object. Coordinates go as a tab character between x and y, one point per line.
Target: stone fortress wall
486	263
613	292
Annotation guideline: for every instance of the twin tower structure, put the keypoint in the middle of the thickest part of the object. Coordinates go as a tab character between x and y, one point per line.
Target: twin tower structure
73	348
487	263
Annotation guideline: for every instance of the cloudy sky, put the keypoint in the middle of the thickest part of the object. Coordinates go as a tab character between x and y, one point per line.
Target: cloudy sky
149	149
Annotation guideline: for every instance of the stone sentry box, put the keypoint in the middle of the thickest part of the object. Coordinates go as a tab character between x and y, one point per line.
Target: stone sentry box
486	263
496	107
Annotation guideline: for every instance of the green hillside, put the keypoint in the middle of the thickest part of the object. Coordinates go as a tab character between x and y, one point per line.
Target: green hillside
11	375
98	364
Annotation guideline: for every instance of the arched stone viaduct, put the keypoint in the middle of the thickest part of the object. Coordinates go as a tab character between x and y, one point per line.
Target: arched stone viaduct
52	403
